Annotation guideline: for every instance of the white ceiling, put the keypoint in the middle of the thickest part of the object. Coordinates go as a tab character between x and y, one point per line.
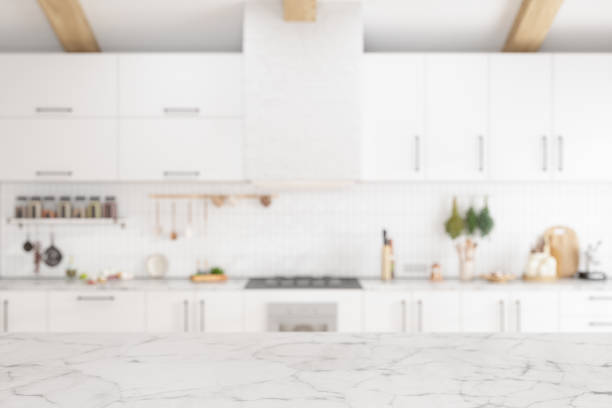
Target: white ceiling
390	25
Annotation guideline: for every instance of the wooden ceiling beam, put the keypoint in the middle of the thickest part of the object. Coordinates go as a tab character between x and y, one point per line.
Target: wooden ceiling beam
70	25
531	25
300	10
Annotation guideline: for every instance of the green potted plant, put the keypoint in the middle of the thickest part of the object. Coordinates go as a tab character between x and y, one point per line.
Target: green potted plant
465	231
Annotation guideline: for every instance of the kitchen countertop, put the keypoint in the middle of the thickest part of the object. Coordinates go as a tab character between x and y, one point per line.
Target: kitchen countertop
239	284
305	370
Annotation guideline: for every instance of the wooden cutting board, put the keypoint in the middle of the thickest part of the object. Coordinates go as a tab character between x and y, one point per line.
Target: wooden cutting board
208	278
564	248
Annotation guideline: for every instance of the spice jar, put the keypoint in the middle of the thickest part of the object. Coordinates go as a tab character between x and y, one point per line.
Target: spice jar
110	208
21	207
78	209
94	208
34	209
64	209
48	210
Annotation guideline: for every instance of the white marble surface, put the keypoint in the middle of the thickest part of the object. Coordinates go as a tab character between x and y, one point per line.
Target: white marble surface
305	370
479	284
135	284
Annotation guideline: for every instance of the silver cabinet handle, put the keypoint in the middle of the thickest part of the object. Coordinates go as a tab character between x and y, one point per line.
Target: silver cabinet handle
169	173
560	146
202	315
518	316
6	317
96	298
544	153
51	173
596	298
403	316
181	110
502	316
419	315
417	153
480	153
53	109
600	324
186	315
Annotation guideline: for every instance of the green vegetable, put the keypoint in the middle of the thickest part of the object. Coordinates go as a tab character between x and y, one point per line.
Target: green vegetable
471	221
485	222
216	271
83	276
454	225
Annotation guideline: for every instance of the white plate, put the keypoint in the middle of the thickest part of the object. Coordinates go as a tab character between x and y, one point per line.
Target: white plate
157	265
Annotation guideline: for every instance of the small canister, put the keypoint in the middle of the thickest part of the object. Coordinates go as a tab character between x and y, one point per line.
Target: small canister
110	208
49	210
21	207
78	209
94	208
64	209
34	209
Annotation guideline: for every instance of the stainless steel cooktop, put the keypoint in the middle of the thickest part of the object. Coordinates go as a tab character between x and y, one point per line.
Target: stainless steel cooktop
303	282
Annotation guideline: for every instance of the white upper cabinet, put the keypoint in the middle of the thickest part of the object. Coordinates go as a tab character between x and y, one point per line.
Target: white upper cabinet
181	149
58	149
521	143
393	95
456	116
204	85
64	85
582	89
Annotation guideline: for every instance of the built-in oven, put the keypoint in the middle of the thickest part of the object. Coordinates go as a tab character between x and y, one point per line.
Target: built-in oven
302	317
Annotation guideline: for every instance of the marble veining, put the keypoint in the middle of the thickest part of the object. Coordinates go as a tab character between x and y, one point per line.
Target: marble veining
305	370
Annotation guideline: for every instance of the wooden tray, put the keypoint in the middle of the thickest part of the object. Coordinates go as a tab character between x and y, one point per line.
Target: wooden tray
208	277
498	279
540	279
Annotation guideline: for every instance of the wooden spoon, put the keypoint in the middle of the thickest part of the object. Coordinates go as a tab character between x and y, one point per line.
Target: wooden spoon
173	233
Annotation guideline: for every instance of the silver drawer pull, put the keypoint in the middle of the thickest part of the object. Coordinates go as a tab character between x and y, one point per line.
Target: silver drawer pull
595	298
502	316
544	153
518	316
561	147
51	173
419	315
600	324
96	298
417	153
53	109
181	110
186	315
181	173
481	153
201	315
6	316
403	316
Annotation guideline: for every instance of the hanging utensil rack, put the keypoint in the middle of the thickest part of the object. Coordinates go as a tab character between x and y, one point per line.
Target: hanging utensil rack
217	199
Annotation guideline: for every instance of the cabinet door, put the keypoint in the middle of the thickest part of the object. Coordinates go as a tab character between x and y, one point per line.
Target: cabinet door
582	120
65	85
534	312
484	311
181	149
220	311
58	149
24	311
456	116
435	311
170	311
393	95
96	311
175	84
520	117
386	311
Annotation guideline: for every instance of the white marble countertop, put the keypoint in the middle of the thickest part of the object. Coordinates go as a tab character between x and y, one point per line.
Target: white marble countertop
305	370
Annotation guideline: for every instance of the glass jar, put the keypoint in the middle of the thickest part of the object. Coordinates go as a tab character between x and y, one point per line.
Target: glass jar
110	208
21	207
78	209
64	208
49	209
94	208
34	209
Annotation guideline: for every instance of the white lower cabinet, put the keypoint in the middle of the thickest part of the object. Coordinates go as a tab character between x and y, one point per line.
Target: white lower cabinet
385	311
484	311
585	311
170	311
535	311
257	305
96	311
23	311
219	312
435	311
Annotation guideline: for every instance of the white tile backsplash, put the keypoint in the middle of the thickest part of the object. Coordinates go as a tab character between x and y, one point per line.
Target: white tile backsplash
311	232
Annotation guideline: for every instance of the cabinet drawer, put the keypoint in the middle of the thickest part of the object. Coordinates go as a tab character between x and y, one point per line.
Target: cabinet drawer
597	303
96	311
586	324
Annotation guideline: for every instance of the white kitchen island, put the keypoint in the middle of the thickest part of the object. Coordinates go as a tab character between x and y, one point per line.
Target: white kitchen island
305	370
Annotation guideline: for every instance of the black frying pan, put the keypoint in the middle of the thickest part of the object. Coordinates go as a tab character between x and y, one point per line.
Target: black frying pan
52	256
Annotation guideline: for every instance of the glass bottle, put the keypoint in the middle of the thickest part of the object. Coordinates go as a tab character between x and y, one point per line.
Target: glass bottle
94	209
64	209
78	209
48	210
21	207
34	208
110	208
